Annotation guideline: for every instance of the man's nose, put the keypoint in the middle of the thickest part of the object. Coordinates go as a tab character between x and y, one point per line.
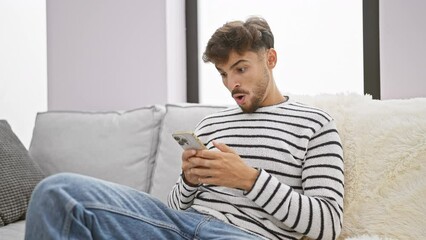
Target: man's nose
233	83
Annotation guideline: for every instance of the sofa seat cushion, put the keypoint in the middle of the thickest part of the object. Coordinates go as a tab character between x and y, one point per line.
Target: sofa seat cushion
114	146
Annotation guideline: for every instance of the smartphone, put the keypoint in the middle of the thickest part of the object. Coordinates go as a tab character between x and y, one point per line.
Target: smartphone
188	140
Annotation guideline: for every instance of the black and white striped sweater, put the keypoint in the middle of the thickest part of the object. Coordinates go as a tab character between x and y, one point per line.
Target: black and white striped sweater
299	190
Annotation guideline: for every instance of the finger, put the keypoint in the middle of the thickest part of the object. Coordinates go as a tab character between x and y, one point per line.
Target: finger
208	180
186	166
193	162
188	163
200	162
188	153
202	172
223	147
207	154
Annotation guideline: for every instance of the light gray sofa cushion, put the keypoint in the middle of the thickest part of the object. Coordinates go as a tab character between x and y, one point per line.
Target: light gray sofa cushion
183	117
114	146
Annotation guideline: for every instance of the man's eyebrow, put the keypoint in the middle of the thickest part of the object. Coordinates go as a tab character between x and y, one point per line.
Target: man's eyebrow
233	65
238	62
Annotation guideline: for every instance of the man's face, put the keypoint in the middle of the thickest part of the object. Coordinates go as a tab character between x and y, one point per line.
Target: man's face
248	77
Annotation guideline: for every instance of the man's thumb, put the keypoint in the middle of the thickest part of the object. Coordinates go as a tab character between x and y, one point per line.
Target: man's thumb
223	147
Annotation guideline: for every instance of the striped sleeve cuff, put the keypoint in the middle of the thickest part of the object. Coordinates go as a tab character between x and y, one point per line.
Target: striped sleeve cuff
267	191
262	178
186	190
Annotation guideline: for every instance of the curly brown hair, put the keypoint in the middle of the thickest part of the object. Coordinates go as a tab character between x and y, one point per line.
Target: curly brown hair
252	35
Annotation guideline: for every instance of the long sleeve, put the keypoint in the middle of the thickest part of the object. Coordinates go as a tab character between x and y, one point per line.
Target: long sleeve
300	187
317	212
181	195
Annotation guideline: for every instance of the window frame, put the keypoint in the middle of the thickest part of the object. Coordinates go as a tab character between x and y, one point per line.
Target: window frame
371	49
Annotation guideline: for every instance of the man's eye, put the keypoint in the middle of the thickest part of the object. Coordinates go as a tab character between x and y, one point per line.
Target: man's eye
223	75
242	70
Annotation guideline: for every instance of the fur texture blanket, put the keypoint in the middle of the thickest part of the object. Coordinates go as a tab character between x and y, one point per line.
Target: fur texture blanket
384	144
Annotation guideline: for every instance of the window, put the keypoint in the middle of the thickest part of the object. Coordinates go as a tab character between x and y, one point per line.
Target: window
319	44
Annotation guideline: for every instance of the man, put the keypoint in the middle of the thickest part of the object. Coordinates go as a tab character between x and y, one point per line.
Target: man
274	168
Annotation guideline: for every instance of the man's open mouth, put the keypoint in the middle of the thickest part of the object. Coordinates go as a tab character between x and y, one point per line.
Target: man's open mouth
239	98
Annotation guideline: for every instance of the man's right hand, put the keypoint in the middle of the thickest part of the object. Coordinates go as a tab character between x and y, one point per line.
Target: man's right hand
188	177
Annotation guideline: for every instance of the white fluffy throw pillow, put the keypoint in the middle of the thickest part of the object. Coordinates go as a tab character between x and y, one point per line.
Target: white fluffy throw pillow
385	160
368	237
384	145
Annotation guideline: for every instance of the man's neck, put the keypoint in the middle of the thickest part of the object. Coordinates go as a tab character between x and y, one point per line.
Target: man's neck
274	97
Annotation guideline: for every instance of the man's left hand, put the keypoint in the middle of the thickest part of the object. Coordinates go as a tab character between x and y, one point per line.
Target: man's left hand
223	168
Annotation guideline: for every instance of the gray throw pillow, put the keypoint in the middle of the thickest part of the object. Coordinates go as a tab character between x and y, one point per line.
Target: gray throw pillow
117	146
18	176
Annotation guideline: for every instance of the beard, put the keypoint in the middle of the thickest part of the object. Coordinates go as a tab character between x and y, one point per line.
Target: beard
259	93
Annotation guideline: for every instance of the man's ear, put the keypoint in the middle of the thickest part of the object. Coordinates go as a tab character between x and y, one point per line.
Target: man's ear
271	58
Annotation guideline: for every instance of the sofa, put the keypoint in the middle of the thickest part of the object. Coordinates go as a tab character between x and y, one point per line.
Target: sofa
384	143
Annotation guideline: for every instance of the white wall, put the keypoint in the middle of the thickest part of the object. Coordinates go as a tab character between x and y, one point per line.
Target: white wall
102	55
402	48
176	51
113	54
23	77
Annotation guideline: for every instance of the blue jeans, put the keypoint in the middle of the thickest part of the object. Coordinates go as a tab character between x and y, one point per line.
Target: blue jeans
71	206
